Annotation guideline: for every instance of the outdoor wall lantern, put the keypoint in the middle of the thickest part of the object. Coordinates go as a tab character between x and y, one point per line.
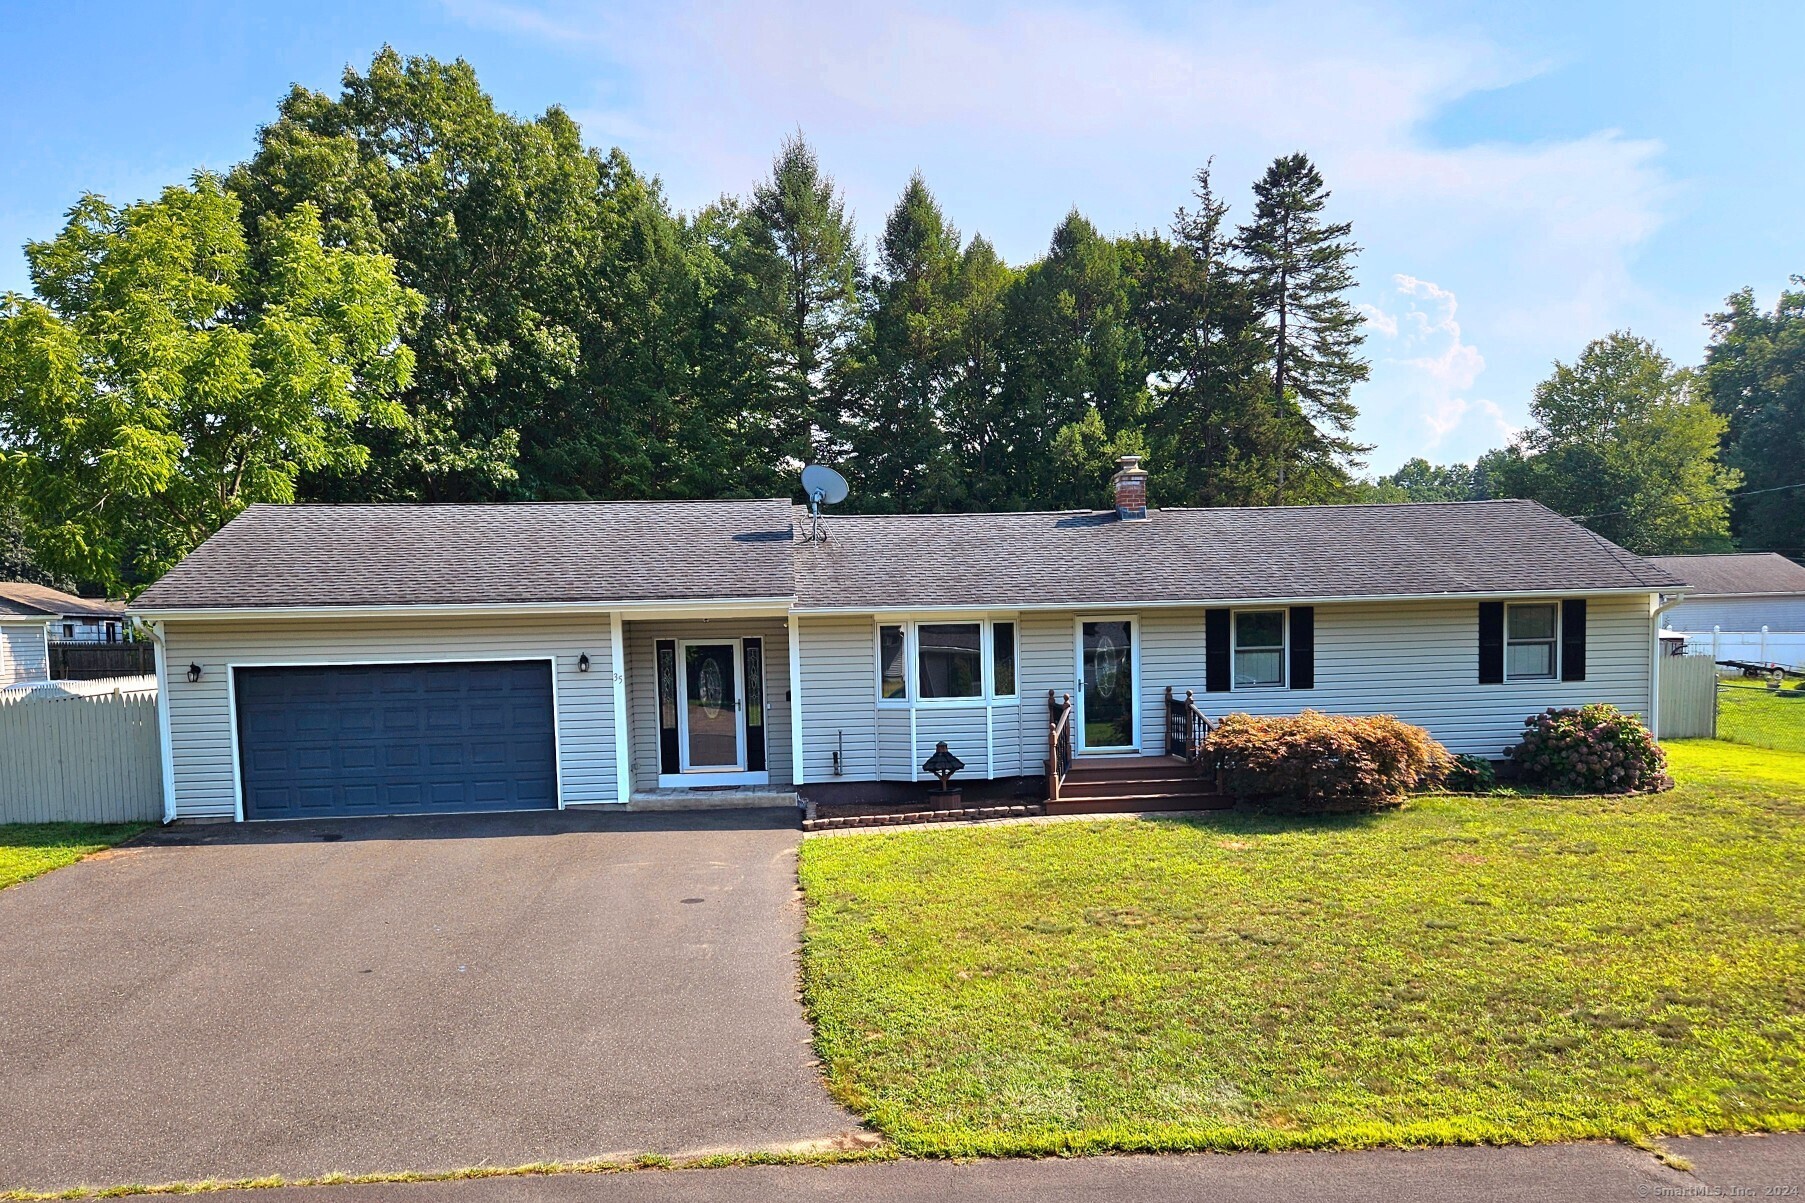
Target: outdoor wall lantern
194	672
583	663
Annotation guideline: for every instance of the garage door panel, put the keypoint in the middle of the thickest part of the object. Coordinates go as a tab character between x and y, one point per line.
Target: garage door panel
396	739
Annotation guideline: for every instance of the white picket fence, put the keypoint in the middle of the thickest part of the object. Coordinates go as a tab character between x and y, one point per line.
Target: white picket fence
79	757
1763	646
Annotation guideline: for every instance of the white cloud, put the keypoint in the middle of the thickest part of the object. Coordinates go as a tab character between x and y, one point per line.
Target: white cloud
1015	113
1424	369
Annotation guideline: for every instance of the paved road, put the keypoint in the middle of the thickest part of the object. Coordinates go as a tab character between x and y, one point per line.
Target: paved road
413	994
1589	1172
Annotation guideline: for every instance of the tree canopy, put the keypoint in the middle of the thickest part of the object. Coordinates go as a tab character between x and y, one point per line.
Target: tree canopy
406	293
177	366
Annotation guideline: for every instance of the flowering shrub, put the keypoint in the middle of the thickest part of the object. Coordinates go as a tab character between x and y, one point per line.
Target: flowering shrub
1470	775
1595	749
1319	758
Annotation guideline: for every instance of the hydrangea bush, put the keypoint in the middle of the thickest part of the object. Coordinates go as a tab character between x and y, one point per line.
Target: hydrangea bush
1595	749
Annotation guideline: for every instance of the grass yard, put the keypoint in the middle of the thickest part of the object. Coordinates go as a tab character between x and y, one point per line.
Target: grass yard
29	849
1748	714
1463	970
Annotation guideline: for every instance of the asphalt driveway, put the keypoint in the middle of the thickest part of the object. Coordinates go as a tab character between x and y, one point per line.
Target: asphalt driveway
405	994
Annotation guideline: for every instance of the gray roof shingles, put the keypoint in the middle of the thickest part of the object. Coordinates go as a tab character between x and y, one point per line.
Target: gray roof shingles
18	598
1744	573
1297	552
364	555
521	554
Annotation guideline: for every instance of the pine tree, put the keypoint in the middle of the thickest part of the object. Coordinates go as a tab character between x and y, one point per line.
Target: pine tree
1212	422
906	362
808	267
1300	269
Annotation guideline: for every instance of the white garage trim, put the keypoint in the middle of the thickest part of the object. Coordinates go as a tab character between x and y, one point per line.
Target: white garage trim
232	667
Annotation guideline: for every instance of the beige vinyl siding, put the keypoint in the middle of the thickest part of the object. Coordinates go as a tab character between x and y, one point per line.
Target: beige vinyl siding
963	729
839	697
1417	660
642	687
890	742
201	721
24	652
895	743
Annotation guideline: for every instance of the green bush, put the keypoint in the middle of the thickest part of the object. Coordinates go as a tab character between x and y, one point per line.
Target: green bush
1322	759
1595	749
1470	775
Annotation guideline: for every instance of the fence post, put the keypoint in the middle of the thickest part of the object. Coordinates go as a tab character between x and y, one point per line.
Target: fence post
1764	659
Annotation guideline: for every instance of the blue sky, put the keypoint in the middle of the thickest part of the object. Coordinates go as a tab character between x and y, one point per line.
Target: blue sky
1523	177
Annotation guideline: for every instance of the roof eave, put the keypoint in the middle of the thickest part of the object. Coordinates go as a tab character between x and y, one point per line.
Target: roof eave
773	606
1300	600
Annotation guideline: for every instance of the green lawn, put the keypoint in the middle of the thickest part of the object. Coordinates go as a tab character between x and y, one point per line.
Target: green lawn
1493	969
28	849
1748	714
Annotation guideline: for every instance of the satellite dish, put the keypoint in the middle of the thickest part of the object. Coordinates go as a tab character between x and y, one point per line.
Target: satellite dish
823	485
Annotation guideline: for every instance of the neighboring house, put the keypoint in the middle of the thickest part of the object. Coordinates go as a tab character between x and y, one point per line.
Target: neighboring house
32	617
71	619
1742	592
375	659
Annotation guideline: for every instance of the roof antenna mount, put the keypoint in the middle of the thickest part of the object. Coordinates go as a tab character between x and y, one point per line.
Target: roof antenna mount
824	486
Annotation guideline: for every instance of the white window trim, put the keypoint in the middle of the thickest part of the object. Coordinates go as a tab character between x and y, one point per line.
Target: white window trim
1234	648
911	697
1553	641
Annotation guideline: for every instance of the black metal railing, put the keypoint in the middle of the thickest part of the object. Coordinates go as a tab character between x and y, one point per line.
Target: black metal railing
1187	730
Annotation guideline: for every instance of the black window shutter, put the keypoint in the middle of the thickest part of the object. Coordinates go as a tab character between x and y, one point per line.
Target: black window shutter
1303	647
667	707
1491	643
1573	639
1215	651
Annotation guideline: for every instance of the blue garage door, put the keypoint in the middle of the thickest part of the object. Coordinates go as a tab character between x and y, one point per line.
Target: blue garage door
395	739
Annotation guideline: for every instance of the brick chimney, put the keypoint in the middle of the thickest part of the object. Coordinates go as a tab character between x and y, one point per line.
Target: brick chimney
1130	483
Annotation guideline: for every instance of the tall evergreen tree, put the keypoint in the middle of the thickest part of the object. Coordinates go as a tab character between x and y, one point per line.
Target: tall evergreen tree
1075	387
1755	376
1301	270
898	426
1212	426
806	262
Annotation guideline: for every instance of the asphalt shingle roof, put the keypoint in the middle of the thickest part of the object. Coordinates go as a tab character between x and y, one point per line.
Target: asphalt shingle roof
22	599
1087	558
1758	572
364	555
375	555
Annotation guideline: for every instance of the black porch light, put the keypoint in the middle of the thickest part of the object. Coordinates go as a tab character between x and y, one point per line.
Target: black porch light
583	663
194	672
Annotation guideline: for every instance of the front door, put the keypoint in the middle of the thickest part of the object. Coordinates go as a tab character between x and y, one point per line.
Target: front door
1107	693
710	709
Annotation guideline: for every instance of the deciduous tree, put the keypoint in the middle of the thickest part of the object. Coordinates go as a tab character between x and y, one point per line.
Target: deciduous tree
171	370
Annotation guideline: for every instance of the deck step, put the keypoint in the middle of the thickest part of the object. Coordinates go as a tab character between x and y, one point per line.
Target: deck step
1134	790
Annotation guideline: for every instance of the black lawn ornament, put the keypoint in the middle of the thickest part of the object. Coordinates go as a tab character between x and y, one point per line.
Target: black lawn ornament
943	764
